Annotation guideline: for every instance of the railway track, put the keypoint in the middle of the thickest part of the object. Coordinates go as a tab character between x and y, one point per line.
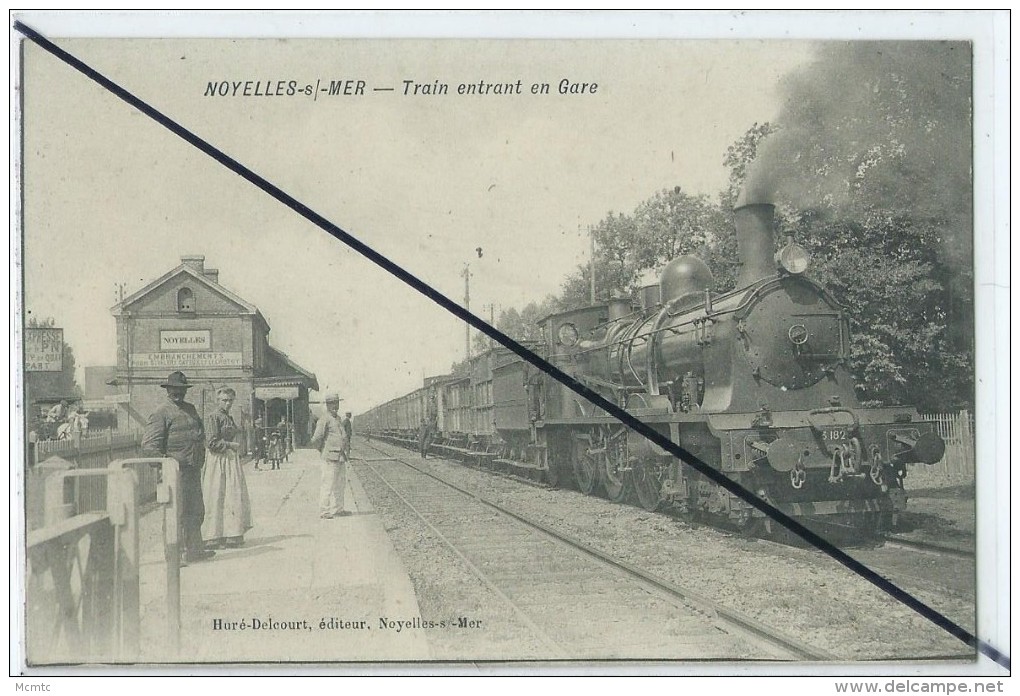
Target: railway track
928	564
508	474
944	575
895	541
577	601
890	540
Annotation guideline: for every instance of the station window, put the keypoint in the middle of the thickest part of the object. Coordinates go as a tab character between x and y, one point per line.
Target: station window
185	300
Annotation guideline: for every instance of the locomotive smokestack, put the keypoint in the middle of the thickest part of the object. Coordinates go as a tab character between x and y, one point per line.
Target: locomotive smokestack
756	246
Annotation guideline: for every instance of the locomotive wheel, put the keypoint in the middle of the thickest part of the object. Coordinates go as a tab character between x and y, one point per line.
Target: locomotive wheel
614	483
615	480
551	476
586	466
647	478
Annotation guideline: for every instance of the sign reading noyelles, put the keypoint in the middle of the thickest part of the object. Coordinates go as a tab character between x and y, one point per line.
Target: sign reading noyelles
175	340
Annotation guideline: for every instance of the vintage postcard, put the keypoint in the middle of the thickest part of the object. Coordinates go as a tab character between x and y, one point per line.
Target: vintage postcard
344	346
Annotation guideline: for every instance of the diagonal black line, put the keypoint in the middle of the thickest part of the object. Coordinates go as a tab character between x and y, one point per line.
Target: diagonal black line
612	409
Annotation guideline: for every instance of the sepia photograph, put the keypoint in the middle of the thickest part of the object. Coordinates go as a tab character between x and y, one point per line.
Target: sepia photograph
382	344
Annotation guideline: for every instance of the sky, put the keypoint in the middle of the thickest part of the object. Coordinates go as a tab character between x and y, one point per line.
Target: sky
113	198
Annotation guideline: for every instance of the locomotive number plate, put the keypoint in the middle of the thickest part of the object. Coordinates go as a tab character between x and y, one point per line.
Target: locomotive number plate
835	434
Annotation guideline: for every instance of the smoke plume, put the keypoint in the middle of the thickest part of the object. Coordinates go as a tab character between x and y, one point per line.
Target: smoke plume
875	125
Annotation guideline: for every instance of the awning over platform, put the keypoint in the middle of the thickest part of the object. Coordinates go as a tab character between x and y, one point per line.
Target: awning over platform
282	372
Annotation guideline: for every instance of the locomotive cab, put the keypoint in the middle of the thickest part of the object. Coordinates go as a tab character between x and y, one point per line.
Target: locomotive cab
564	331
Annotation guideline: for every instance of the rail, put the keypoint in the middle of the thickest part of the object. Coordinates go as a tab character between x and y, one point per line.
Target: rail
786	645
895	540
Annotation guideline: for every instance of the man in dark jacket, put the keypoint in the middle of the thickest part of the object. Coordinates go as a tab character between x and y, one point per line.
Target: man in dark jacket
175	430
349	429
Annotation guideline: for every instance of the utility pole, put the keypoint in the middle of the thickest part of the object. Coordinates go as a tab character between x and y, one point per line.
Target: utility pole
591	238
492	322
467	305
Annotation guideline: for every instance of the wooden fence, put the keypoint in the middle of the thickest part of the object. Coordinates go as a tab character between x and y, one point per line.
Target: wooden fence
82	590
957	465
94	451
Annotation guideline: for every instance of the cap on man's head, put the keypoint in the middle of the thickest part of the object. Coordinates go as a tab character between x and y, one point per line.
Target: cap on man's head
226	391
177	379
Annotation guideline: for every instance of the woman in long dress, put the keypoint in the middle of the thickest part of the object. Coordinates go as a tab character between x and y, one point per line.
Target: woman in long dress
224	489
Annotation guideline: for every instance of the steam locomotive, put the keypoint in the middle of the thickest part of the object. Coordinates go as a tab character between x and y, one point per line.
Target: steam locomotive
754	382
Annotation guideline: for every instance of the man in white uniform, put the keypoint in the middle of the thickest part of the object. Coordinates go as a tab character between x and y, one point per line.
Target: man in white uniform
331	439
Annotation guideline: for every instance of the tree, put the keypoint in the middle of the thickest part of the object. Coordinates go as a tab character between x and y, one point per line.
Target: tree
673	223
618	243
630	247
616	240
873	158
901	348
45	385
738	159
523	325
48	385
575	292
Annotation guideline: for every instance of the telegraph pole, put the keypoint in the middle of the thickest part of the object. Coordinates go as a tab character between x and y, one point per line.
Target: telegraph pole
492	322
467	305
591	238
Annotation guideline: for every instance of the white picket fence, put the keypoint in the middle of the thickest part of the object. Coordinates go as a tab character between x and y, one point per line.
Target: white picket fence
957	465
93	451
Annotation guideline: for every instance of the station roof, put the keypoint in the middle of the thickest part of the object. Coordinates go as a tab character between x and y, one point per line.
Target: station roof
281	371
70	399
209	278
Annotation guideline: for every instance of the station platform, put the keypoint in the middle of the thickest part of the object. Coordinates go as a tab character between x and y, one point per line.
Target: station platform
301	590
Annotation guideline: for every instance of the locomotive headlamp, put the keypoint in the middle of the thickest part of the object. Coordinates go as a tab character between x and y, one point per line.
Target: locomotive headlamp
567	334
793	258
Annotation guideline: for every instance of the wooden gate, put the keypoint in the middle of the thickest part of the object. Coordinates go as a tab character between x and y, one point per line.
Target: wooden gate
82	584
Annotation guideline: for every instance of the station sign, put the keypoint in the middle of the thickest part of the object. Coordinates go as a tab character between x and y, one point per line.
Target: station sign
44	350
193	341
185	359
267	393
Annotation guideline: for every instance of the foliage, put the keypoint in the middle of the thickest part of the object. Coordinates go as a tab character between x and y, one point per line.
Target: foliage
42	385
616	243
523	325
519	325
630	250
892	290
873	158
48	385
738	159
673	223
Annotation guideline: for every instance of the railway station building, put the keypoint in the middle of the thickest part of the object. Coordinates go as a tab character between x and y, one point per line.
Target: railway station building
185	320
